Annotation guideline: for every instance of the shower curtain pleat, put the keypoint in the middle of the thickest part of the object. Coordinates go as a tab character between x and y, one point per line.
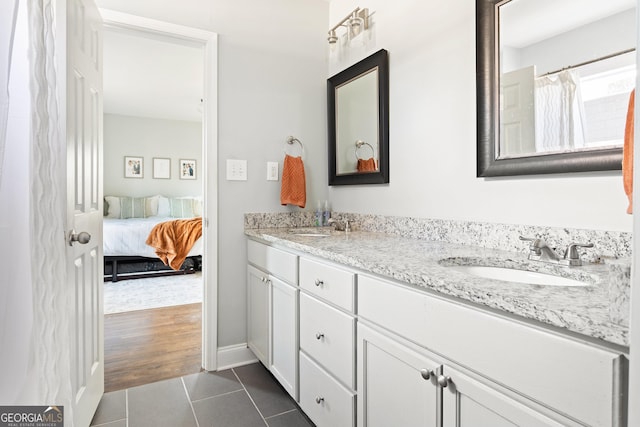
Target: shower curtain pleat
52	299
558	113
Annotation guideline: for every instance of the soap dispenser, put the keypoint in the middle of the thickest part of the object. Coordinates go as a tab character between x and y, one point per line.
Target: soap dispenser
326	213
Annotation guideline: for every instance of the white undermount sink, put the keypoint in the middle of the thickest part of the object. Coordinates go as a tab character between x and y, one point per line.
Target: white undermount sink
519	276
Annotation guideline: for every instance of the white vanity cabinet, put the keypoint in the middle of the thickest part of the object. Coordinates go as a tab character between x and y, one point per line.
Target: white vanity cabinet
488	367
272	311
327	343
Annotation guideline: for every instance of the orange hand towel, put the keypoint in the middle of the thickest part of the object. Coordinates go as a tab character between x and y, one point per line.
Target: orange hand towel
173	240
368	165
294	187
627	153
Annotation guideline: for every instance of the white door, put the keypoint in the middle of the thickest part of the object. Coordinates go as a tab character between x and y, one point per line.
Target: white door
517	115
396	385
284	335
467	402
84	202
258	302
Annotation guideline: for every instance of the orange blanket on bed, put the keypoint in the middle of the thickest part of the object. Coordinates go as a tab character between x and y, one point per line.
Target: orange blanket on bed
173	240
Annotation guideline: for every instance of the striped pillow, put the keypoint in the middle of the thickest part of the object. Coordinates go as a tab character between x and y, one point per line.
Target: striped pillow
181	208
132	207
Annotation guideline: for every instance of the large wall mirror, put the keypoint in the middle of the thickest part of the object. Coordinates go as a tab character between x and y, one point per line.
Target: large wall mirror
553	84
358	120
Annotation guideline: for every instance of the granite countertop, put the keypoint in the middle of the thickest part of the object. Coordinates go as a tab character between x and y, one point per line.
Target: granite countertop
599	311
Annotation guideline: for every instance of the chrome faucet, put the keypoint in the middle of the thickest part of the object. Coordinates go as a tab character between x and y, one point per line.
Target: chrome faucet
540	251
340	226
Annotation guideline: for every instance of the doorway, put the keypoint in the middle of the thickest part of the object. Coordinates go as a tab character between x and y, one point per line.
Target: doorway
205	106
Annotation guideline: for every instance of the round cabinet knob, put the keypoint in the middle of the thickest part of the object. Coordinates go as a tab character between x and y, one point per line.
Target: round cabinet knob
83	237
319	282
319	399
319	336
426	373
443	381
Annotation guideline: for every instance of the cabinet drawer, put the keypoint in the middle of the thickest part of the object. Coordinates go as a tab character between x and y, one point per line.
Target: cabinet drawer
328	336
572	377
322	398
279	263
331	283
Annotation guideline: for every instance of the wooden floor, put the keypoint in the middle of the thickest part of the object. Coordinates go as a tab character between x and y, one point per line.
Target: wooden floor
145	346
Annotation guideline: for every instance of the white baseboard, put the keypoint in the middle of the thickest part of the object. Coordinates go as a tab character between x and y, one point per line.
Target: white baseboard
235	355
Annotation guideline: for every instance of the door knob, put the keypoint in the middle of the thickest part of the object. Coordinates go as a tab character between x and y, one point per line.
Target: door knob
83	237
426	373
443	381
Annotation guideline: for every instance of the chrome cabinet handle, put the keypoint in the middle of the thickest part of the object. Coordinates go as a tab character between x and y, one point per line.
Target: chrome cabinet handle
319	399
319	282
426	373
444	381
319	336
83	237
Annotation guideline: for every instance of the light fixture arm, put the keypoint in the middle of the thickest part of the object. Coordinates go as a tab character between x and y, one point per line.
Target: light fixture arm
357	12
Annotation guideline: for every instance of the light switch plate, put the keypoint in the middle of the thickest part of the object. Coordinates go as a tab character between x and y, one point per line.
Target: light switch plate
236	170
272	171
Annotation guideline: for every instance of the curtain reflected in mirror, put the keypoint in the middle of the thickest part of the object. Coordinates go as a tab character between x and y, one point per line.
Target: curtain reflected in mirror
358	122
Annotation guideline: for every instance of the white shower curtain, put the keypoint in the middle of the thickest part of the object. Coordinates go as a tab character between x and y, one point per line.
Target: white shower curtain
8	16
559	113
50	352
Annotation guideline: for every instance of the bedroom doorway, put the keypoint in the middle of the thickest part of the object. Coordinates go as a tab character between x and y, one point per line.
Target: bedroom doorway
182	174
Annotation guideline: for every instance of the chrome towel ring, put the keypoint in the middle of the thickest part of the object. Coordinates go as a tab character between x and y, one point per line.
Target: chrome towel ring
359	144
291	140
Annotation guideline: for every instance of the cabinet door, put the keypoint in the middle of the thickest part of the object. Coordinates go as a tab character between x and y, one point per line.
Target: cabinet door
396	386
468	402
284	335
258	303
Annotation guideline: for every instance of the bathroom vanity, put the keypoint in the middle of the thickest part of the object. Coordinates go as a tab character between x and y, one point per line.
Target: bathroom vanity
372	329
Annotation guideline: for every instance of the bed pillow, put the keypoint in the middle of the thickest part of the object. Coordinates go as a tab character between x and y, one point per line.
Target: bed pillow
114	206
164	210
181	207
132	207
151	205
197	206
105	207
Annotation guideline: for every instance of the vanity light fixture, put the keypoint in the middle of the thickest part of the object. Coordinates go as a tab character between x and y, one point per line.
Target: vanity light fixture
355	22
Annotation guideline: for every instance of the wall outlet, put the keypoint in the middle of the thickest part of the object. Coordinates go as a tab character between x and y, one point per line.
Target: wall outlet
236	170
272	171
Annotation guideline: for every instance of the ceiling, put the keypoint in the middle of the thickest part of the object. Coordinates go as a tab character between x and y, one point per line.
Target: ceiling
152	76
524	22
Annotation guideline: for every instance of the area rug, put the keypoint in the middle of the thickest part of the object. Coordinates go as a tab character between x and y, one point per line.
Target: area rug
155	292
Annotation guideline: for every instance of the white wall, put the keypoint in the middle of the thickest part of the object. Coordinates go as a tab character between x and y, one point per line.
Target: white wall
149	138
433	133
271	84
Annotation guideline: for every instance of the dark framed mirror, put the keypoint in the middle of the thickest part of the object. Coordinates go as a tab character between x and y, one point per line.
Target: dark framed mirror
524	54
358	122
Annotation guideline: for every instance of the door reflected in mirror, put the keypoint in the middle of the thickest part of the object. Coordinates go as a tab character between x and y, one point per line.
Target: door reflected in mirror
358	122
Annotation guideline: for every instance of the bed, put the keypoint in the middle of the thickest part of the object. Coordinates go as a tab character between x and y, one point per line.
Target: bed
126	254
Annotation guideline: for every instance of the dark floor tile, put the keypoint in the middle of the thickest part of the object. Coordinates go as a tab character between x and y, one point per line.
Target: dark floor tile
163	403
268	395
289	419
209	384
112	407
228	410
119	423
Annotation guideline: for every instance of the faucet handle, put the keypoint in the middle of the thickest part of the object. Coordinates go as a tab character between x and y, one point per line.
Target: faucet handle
535	243
572	252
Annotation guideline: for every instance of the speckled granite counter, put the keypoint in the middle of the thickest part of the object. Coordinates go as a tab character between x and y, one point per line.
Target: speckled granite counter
599	310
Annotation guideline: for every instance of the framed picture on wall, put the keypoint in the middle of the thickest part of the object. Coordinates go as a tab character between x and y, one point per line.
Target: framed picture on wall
187	169
161	168
133	167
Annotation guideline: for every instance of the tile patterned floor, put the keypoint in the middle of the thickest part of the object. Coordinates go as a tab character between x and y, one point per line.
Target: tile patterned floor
246	396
